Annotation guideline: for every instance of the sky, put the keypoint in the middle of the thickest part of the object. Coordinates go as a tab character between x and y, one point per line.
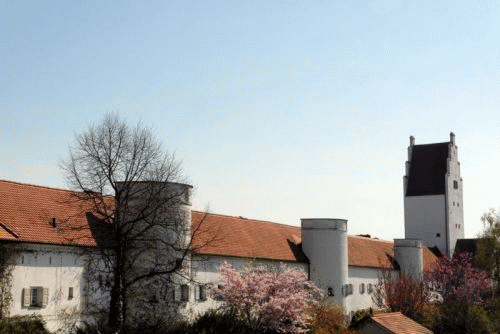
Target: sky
278	110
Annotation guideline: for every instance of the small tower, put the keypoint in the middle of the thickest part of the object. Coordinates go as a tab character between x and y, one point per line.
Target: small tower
433	195
408	254
324	242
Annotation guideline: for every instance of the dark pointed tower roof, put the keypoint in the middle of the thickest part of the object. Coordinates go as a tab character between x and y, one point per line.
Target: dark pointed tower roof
428	168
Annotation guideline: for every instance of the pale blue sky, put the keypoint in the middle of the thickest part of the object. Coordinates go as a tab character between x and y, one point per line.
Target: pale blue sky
279	110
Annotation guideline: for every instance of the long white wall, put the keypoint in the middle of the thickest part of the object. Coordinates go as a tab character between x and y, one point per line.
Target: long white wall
363	280
205	270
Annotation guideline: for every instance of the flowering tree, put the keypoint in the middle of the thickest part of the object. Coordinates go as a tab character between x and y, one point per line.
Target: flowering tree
267	299
457	281
402	293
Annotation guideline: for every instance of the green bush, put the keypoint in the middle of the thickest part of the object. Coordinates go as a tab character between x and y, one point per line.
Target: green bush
23	325
328	318
213	322
463	319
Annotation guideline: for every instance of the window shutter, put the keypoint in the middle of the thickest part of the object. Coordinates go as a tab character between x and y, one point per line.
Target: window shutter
45	295
26	297
177	293
203	292
197	295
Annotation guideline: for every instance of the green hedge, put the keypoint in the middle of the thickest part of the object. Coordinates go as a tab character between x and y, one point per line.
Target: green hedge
23	325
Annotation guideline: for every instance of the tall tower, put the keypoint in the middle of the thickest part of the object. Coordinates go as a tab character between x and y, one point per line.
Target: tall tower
434	195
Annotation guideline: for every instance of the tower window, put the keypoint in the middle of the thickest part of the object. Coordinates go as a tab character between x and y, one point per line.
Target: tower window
455	184
438	235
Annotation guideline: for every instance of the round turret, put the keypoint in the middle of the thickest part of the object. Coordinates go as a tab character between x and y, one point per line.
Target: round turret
324	242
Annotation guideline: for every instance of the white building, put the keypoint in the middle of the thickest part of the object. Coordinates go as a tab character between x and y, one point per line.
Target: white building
434	210
49	275
52	234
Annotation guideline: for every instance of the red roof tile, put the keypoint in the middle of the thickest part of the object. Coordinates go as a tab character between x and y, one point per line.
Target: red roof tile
26	213
397	323
241	237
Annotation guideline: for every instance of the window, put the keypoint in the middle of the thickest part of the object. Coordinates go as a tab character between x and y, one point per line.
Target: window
184	293
201	293
35	296
362	288
438	235
370	288
70	293
330	292
455	184
348	289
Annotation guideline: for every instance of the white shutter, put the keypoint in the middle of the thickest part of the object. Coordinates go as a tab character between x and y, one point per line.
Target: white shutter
26	297
177	293
197	292
45	296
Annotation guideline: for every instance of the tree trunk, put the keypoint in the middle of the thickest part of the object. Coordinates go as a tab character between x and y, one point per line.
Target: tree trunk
116	305
117	301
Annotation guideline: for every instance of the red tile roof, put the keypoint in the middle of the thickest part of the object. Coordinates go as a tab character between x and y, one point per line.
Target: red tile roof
242	237
397	323
26	213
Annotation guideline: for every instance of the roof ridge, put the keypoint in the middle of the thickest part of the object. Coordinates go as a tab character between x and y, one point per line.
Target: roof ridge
245	218
432	144
38	186
386	314
372	239
6	228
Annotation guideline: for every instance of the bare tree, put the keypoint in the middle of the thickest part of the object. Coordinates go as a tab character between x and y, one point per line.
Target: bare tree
132	187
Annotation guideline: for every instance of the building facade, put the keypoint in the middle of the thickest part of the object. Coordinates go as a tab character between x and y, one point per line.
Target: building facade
433	195
53	237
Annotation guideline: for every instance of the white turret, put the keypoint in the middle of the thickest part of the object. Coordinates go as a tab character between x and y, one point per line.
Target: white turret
324	242
408	254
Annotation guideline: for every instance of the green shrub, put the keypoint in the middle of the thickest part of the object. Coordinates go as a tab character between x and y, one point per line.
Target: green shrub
23	325
213	322
463	319
328	318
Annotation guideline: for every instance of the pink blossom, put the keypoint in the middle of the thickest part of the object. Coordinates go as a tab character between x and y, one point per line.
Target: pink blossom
457	281
267	299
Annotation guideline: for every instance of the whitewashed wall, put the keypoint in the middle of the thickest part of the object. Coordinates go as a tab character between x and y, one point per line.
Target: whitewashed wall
425	218
55	268
454	200
205	270
361	299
